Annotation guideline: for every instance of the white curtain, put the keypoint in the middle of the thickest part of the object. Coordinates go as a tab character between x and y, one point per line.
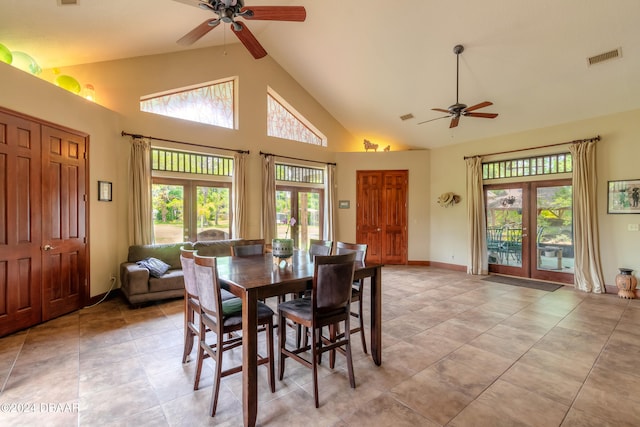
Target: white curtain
330	221
268	198
477	246
587	267
140	211
239	224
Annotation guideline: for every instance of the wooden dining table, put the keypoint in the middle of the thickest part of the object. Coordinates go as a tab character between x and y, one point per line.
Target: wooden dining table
253	278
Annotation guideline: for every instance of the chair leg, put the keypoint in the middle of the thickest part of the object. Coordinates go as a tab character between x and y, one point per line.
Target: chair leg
216	381
333	332
282	337
361	319
188	333
196	381
314	358
347	335
270	353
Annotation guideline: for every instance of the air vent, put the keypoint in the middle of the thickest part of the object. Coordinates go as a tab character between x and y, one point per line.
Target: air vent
612	54
406	117
67	2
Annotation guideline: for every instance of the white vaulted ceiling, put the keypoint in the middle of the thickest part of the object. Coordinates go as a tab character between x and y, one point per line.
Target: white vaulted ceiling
368	62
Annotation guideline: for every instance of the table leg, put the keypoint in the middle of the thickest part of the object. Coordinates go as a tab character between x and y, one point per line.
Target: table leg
249	358
376	316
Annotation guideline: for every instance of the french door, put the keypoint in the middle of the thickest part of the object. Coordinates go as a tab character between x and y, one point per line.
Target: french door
530	229
304	204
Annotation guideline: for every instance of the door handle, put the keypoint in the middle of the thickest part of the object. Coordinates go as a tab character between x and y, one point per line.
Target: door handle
47	247
378	229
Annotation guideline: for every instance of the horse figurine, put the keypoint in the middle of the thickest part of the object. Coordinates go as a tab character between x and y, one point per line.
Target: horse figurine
369	145
387	148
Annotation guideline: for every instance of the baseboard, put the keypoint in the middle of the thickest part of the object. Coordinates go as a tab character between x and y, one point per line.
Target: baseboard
422	263
447	266
114	293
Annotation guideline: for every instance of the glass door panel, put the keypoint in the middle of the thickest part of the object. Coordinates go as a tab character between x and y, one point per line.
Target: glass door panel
168	213
308	226
554	249
504	226
283	214
212	210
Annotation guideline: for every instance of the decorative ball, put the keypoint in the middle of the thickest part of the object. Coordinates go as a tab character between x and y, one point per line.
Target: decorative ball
26	63
68	83
5	54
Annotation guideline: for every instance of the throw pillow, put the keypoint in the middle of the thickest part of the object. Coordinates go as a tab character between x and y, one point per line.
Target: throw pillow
155	266
231	306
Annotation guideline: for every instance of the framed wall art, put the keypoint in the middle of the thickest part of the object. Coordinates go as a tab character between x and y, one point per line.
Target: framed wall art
623	197
104	191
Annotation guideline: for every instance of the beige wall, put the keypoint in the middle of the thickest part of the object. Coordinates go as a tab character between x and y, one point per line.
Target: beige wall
435	234
617	158
417	163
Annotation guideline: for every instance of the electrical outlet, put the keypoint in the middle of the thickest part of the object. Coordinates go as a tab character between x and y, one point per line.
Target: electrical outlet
632	227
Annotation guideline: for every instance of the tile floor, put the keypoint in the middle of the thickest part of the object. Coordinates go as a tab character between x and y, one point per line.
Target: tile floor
457	351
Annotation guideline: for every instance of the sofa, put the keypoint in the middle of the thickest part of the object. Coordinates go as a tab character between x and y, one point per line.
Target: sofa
139	286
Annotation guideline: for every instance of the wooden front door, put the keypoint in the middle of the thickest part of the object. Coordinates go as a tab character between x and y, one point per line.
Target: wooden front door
381	215
63	222
20	261
43	265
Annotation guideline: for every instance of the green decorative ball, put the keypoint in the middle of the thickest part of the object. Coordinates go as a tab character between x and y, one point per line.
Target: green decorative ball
68	83
5	54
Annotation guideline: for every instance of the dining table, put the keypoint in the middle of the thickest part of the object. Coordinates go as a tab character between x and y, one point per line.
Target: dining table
257	277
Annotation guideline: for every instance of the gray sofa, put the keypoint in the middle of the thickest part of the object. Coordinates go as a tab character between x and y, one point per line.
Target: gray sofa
139	287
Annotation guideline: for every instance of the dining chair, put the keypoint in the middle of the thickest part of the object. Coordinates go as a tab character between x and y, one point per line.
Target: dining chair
357	295
224	317
191	301
328	305
248	248
495	245
320	247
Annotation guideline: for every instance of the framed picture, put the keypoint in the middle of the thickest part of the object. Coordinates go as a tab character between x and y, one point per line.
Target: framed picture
623	197
104	191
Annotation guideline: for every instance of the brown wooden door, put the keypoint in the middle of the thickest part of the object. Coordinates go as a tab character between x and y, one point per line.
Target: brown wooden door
20	278
63	222
381	215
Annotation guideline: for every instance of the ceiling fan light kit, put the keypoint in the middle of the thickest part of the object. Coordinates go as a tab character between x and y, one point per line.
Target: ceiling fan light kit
459	109
229	10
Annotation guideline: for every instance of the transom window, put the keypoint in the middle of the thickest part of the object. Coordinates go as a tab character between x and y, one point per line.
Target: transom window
283	121
193	163
211	103
537	165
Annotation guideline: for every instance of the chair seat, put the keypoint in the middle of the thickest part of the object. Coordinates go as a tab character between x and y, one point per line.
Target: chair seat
301	308
264	313
225	294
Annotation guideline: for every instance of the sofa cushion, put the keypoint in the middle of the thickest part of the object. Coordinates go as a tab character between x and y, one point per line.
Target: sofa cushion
171	280
168	252
156	266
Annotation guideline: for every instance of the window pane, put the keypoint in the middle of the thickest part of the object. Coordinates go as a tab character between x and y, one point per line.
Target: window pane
212	213
168	213
212	104
283	213
555	228
282	123
308	218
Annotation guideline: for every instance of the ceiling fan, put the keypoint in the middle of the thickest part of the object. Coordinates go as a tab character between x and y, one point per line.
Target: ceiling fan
457	110
229	10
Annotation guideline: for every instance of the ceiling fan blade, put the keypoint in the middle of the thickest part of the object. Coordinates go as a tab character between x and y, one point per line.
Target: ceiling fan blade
437	118
478	106
198	32
249	41
454	121
442	110
275	13
484	115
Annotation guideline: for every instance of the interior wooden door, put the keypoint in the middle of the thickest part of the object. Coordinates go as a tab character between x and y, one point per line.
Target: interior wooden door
63	222
20	202
381	215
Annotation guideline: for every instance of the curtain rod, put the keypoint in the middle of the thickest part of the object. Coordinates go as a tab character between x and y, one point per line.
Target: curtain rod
138	136
595	138
295	158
